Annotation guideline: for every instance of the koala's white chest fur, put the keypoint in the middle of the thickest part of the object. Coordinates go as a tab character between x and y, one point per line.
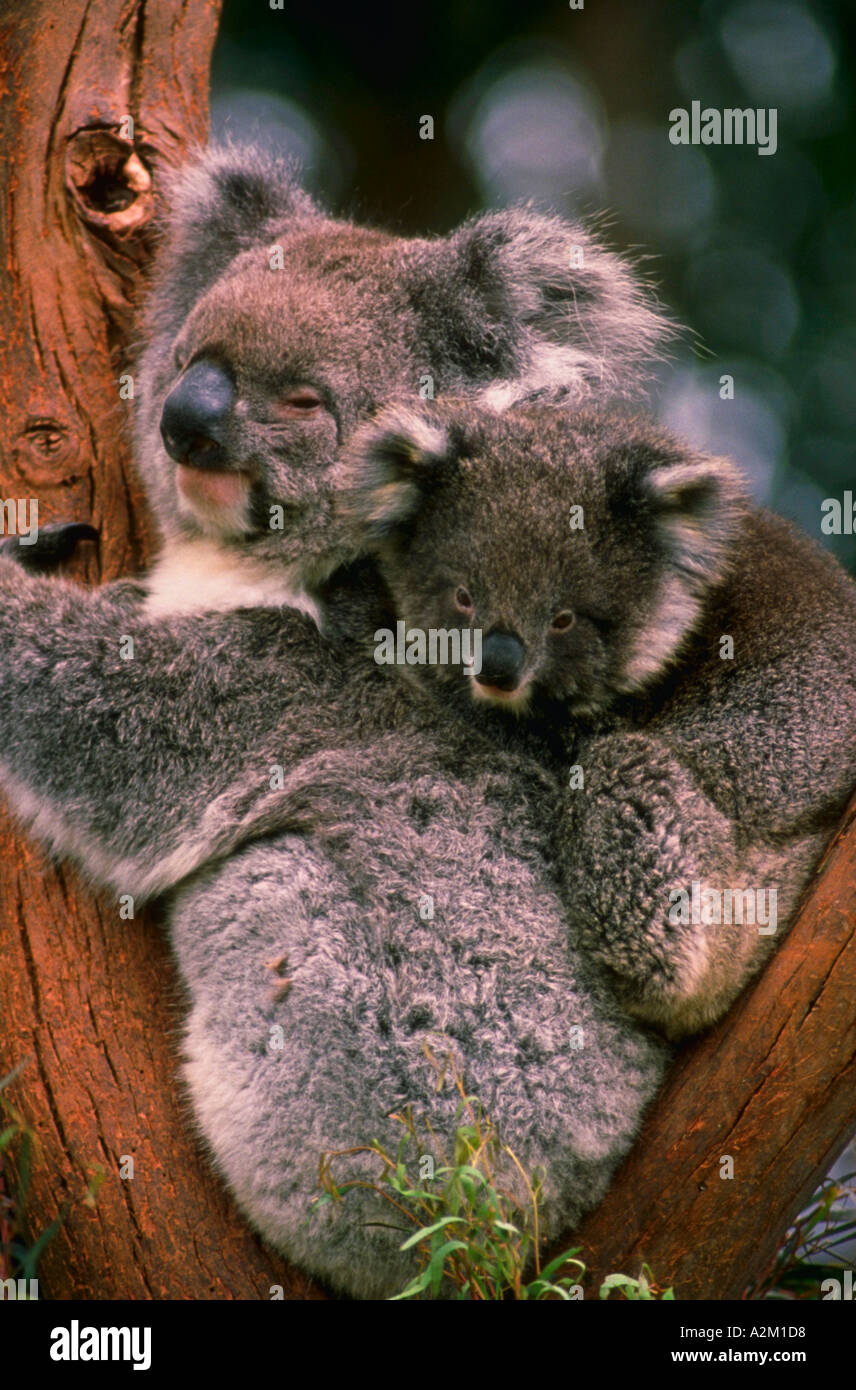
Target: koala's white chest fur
204	576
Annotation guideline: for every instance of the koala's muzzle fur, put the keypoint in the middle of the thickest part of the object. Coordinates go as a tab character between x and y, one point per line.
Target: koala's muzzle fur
196	415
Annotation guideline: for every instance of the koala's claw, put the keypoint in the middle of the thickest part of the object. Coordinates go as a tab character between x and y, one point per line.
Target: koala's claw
283	982
52	545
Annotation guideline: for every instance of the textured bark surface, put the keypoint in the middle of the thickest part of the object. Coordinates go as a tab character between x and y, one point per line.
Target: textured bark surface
773	1086
89	999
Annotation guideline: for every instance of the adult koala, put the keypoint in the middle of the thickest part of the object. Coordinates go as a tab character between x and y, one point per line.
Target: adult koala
273	331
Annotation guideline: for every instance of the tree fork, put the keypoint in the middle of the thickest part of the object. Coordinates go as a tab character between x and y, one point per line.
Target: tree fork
98	97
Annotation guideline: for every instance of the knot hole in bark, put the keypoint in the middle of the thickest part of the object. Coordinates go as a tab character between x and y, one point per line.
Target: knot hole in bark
108	181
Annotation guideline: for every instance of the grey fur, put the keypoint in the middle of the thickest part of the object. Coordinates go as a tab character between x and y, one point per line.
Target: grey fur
387	796
360	314
726	772
154	772
492	311
399	788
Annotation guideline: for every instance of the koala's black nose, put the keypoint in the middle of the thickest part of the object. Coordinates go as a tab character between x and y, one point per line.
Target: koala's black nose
196	414
503	660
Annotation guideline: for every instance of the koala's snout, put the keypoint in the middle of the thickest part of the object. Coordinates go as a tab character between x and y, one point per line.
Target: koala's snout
196	416
503	661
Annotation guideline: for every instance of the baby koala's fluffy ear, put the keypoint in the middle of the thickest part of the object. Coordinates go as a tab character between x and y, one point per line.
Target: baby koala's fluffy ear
698	503
562	316
690	508
222	201
391	465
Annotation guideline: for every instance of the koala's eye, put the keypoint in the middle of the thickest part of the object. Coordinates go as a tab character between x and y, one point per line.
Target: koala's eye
298	403
562	621
463	600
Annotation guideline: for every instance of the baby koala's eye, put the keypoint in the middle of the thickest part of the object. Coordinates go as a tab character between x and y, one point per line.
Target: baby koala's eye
562	621
463	600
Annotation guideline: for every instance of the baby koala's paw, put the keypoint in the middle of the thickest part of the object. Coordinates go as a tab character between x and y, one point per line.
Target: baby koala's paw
50	546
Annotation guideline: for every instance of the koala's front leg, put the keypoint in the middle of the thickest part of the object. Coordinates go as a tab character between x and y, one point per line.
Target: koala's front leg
142	747
641	848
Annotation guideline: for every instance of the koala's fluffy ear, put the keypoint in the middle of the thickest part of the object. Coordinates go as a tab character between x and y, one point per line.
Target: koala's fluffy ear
391	466
698	504
537	307
695	505
221	202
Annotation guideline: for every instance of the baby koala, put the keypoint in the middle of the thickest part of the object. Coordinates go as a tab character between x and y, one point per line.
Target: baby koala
699	652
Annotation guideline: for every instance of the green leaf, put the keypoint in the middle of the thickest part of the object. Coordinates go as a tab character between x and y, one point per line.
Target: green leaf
427	1231
29	1259
24	1161
7	1136
438	1261
540	1288
566	1257
618	1281
415	1287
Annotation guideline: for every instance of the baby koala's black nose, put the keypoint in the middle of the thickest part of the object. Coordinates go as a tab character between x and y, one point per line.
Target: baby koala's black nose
503	660
196	415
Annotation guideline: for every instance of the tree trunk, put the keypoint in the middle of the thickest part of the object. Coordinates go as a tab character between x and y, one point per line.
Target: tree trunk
89	999
773	1086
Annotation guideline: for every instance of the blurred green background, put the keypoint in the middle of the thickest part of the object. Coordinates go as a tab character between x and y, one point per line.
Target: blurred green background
757	254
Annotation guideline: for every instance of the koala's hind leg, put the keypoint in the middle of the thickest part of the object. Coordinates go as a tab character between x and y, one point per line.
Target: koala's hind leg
654	883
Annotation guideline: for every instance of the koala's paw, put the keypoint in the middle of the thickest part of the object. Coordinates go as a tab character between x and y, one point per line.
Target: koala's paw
639	830
50	547
662	1001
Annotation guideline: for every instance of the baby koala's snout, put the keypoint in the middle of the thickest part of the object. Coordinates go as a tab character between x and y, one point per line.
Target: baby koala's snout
503	662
